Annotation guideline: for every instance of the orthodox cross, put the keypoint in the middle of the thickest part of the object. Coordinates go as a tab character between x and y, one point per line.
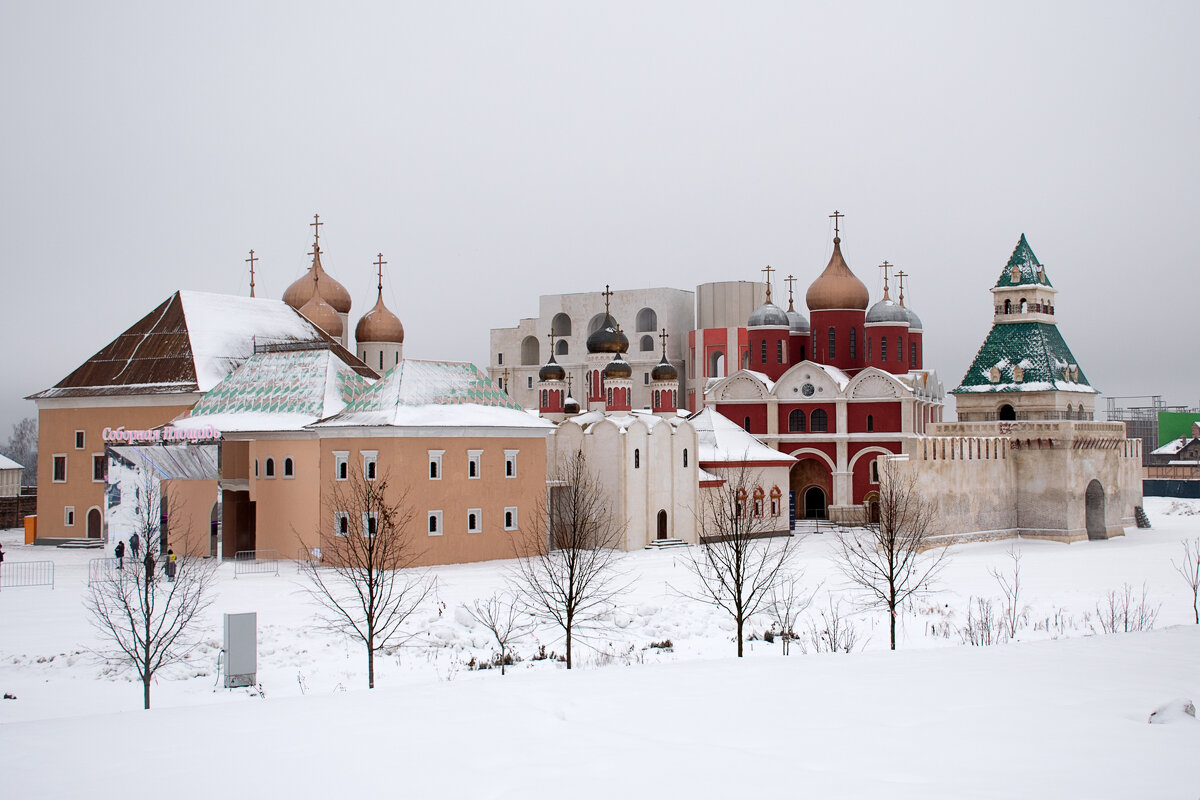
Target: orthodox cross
885	266
767	269
835	216
551	335
790	280
316	226
663	338
570	378
506	391
607	293
902	275
251	260
379	265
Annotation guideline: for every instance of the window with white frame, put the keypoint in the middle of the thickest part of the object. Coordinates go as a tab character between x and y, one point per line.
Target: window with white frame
99	467
341	523
79	437
510	463
60	468
370	523
474	520
435	523
341	465
370	464
435	464
69	516
474	463
510	518
269	467
874	471
289	467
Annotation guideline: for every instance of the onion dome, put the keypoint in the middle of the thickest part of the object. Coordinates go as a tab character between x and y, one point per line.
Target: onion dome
888	312
618	368
570	405
837	287
552	371
301	290
914	322
320	313
378	325
608	338
768	315
664	371
797	322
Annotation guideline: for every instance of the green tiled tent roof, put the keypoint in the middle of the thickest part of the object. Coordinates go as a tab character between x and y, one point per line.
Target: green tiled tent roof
296	382
420	383
1037	348
1031	271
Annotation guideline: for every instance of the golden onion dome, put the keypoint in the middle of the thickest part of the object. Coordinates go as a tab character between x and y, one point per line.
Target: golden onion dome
320	313
664	371
301	290
378	325
837	287
618	368
552	371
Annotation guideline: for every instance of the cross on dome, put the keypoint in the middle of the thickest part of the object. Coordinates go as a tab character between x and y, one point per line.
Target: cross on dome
901	275
316	226
607	293
836	216
790	280
663	338
885	266
768	270
251	260
379	265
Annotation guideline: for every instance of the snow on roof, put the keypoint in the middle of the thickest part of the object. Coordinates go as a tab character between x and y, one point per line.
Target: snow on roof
1172	447
283	390
1029	271
434	393
721	439
1037	348
839	377
8	463
622	419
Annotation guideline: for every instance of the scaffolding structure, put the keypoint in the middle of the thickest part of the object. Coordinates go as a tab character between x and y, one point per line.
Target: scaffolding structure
1141	421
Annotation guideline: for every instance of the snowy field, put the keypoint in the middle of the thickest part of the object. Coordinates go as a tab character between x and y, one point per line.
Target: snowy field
1061	712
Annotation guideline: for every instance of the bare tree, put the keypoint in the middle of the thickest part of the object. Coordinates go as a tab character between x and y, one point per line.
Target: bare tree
1013	615
1121	611
1189	568
889	558
144	616
788	599
502	619
740	559
567	574
837	633
363	577
22	447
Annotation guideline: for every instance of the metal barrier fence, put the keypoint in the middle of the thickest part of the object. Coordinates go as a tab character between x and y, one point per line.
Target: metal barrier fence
255	562
100	568
304	557
14	574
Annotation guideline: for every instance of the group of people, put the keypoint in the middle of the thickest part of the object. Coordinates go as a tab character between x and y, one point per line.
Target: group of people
135	544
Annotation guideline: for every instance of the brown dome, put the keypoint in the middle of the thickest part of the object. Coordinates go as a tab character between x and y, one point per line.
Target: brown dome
321	314
378	325
837	286
299	293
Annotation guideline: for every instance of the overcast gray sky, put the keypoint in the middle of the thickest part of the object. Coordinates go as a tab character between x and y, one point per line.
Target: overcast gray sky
495	151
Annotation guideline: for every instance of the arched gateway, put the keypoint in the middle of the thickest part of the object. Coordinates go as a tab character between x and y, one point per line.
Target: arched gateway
1094	504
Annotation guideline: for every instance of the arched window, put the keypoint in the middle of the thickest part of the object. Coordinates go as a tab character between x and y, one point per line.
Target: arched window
796	421
1024	305
776	495
875	471
853	343
820	421
685	457
870	422
832	342
529	350
647	343
1008	306
899	348
561	324
764	351
289	467
746	423
740	503
647	320
882	348
560	347
758	501
270	468
716	364
637	458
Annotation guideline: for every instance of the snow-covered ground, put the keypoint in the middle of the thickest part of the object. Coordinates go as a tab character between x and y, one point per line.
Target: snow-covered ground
1059	713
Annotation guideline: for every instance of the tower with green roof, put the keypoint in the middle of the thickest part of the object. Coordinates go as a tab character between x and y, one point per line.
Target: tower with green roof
1024	370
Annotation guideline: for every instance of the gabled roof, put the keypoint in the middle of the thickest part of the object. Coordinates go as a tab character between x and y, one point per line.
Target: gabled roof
1030	270
434	393
189	343
279	391
8	463
1038	349
722	441
1172	447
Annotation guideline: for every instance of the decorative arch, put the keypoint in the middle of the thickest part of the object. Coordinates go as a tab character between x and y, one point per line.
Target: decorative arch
1006	412
871	451
647	320
529	350
594	323
1094	511
561	324
647	344
561	348
95	523
716	364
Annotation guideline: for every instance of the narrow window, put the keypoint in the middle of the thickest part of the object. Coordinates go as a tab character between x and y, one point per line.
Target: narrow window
882	349
78	440
381	359
510	463
529	382
870	422
435	523
637	458
510	518
474	463
289	468
875	471
779	352
370	467
60	469
913	347
746	423
341	460
854	343
685	457
646	378
474	517
435	464
341	523
764	351
370	523
69	516
269	467
499	358
832	342
99	468
899	348
870	354
256	467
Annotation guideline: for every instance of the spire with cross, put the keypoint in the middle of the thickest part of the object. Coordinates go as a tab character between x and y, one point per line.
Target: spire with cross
901	276
885	266
379	266
790	280
663	338
316	226
836	216
607	293
768	270
251	261
552	337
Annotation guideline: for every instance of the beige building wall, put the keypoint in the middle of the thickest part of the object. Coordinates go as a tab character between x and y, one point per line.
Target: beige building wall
189	509
58	421
286	508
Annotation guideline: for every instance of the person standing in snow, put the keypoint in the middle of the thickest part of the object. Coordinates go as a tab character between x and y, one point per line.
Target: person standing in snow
1	554
119	552
170	565
149	567
134	541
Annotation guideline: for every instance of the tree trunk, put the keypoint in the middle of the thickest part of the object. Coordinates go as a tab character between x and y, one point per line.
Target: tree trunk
146	693
739	635
892	622
568	645
370	666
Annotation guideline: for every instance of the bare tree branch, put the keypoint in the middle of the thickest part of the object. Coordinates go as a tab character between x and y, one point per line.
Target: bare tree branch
500	617
1189	569
363	577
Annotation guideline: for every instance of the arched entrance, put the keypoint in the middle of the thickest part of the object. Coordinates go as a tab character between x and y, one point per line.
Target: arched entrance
662	524
871	501
93	524
1094	504
810	472
1007	412
815	506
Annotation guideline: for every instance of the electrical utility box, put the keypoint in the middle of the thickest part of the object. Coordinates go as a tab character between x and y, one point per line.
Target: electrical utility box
241	649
